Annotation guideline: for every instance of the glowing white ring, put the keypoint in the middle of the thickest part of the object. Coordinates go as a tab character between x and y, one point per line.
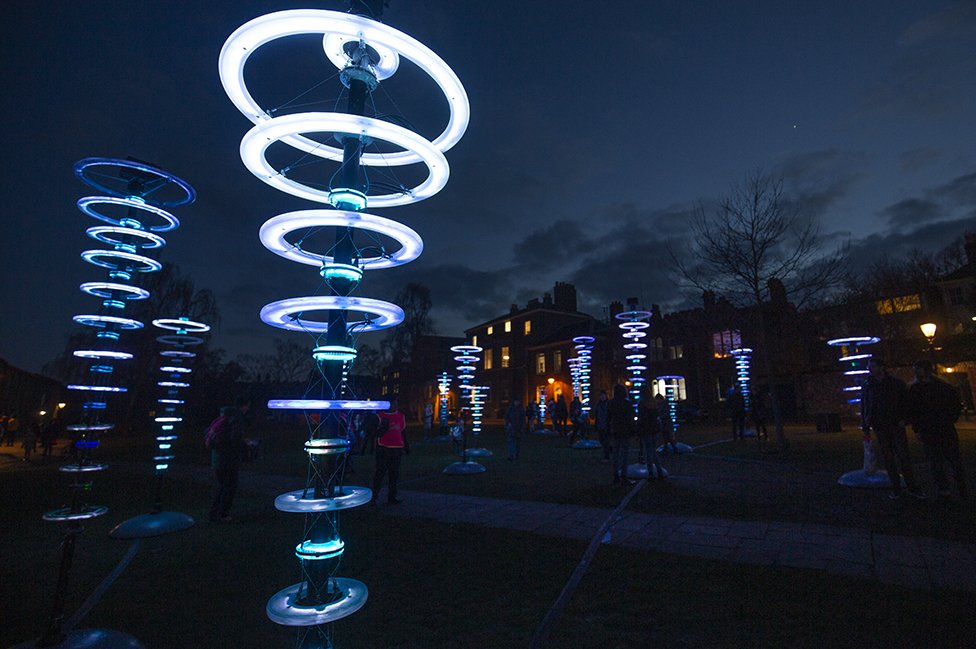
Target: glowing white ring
347	498
99	353
321	404
275	229
257	140
100	232
82	165
103	320
854	340
281	313
97	388
85	205
104	290
253	34
176	369
461	349
179	324
93	257
334	46
171	353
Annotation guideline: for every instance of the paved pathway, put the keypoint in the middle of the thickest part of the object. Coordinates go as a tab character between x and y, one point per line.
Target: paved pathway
915	562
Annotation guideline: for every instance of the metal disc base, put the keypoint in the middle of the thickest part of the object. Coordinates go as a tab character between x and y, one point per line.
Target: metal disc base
96	639
479	452
587	443
860	479
149	525
282	608
464	468
664	449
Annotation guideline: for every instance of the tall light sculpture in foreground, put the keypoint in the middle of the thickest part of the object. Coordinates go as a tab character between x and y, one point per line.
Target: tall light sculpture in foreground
633	323
854	361
743	361
366	52
584	356
175	367
467	359
132	212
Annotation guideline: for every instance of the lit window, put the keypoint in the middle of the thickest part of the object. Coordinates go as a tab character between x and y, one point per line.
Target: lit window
474	340
540	363
505	357
488	358
508	326
660	387
527	329
901	304
557	360
724	342
491	330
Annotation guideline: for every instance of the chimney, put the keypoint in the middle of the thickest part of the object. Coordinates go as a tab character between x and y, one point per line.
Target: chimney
615	308
565	295
632	303
513	310
547	299
970	247
533	303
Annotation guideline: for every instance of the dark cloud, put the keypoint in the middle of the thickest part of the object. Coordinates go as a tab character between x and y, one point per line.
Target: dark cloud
814	182
912	211
960	191
917	159
900	244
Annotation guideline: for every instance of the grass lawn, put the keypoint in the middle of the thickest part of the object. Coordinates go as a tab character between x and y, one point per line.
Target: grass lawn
434	585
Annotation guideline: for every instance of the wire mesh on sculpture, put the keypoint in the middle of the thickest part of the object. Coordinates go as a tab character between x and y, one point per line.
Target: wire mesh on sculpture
467	359
133	213
176	370
584	353
855	360
365	52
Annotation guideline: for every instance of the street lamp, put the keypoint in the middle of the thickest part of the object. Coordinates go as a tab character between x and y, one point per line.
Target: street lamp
928	330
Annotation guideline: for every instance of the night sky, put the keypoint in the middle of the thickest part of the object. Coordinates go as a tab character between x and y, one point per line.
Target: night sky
596	128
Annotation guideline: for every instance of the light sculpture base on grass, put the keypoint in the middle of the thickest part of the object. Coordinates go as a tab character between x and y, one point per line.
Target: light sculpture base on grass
464	467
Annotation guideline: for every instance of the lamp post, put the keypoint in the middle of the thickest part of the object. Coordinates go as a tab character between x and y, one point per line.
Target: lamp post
928	330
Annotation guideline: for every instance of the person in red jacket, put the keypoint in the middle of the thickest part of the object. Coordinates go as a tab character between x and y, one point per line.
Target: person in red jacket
391	444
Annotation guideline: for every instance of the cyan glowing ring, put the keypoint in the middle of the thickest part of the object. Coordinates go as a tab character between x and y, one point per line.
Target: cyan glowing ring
105	320
96	388
254	34
82	170
283	608
334	353
172	353
322	404
102	353
105	290
97	257
853	340
311	551
181	324
256	142
330	271
335	48
181	340
274	230
88	203
283	313
101	232
347	498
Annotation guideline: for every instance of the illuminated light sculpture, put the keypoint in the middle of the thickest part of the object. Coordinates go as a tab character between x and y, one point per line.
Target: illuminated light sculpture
633	323
168	415
443	405
477	398
854	361
584	356
670	385
136	190
467	358
365	52
743	362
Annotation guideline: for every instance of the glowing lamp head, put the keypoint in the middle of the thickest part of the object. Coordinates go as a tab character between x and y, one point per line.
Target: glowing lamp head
928	330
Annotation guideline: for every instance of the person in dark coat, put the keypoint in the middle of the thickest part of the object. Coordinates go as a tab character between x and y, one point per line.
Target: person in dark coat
757	411
559	415
576	416
884	409
736	404
648	427
514	423
622	428
226	453
601	415
933	408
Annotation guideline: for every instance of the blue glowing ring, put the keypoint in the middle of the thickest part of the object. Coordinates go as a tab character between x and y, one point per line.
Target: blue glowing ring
322	404
82	468
348	497
584	339
181	340
105	290
853	340
84	427
100	353
256	141
95	257
84	172
283	313
466	349
105	320
181	324
87	204
634	315
283	608
100	233
855	357
172	353
275	229
669	377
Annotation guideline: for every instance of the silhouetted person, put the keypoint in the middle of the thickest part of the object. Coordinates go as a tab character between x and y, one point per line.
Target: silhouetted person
576	416
933	408
601	416
514	422
559	415
736	404
391	444
227	450
884	409
622	428
648	427
758	413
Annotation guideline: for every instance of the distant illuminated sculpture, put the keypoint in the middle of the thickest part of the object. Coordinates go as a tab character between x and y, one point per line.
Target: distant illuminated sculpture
467	359
366	52
743	362
855	363
132	214
670	386
633	324
444	403
176	370
584	353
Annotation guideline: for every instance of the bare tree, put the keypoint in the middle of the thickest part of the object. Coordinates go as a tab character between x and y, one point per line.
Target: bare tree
755	239
415	301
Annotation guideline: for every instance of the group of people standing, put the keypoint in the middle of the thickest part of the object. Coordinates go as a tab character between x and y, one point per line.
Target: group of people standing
36	432
619	421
